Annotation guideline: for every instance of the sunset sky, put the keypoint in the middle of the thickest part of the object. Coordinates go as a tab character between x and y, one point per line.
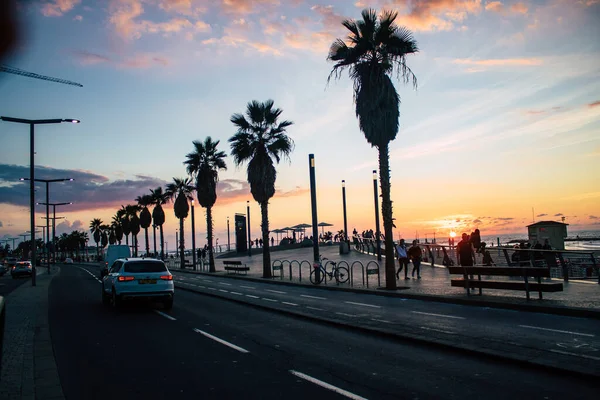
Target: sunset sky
505	121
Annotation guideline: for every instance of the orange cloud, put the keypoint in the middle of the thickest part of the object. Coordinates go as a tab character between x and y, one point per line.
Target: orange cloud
245	6
140	60
58	7
435	15
499	62
498	7
594	104
495	6
519	8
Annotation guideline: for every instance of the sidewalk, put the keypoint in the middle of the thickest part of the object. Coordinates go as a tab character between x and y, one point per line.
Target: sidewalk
28	366
579	298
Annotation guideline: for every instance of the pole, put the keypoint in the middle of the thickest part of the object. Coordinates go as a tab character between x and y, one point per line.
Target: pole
377	233
249	237
193	238
176	244
154	235
48	225
228	239
315	221
32	201
344	202
54	232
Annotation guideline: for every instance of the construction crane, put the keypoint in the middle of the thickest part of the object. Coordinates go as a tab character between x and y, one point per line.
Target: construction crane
17	71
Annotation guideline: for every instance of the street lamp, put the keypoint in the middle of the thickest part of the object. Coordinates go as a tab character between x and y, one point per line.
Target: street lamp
54	218
32	123
193	237
344	203
228	239
176	243
249	237
48	182
377	234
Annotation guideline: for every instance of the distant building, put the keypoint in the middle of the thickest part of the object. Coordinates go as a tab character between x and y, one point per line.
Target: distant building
555	232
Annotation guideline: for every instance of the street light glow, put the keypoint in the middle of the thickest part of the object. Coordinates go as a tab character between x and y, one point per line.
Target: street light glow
343	183
74	121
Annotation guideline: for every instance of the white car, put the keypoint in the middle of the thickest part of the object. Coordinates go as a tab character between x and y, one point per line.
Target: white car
138	278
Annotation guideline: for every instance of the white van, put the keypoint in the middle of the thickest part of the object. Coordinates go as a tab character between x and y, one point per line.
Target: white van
114	252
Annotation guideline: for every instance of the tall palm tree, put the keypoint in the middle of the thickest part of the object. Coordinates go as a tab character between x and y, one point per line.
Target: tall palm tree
261	139
131	211
96	230
125	225
374	49
180	190
117	227
158	214
203	164
145	217
105	238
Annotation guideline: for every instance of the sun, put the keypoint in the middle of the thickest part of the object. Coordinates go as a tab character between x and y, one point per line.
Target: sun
452	234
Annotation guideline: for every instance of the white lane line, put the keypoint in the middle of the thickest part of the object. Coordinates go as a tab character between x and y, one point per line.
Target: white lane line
557	330
213	288
275	291
575	354
223	283
327	386
289	304
238	293
361	304
381	320
203	287
167	316
313	297
273	300
437	315
345	315
247	287
254	297
223	290
314	308
226	343
437	330
93	276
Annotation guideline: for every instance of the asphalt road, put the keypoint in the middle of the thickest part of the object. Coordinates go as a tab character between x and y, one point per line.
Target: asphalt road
8	284
207	347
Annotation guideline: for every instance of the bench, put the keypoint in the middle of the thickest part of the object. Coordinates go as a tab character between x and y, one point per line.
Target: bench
235	267
468	282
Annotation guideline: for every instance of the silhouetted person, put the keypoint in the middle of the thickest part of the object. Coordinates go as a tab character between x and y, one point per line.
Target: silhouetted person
416	255
402	259
465	254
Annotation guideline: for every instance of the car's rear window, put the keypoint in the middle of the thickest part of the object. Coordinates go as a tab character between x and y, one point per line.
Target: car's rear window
144	266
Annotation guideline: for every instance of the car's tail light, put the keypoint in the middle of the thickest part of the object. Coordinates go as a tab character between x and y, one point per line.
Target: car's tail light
167	277
125	278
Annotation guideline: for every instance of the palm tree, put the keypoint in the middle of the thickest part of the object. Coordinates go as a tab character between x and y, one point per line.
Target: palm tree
125	225
259	140
96	230
145	217
105	238
131	211
158	214
372	52
181	190
117	227
203	164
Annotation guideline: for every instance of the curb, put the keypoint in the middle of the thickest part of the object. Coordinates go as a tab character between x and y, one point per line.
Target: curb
448	345
555	310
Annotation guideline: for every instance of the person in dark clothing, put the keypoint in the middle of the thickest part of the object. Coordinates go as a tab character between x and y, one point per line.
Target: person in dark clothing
416	255
476	240
465	254
402	259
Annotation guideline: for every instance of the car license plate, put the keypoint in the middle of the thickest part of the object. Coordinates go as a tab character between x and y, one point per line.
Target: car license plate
146	281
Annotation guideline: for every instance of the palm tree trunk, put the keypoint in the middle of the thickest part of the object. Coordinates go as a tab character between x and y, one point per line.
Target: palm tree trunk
386	211
264	211
97	252
147	244
181	244
209	230
162	243
127	240
154	234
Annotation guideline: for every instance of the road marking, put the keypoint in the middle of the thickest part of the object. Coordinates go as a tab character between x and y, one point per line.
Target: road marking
575	354
362	304
437	315
247	287
380	320
327	385
315	308
238	293
275	291
203	287
273	300
345	315
289	304
254	297
213	288
223	290
226	343
223	283
313	297
167	316
557	330
437	330
93	276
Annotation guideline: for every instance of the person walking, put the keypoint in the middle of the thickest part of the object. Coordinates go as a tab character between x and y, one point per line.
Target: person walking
416	255
465	253
402	259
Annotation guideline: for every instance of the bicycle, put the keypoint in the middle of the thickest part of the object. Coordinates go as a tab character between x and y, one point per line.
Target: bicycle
339	273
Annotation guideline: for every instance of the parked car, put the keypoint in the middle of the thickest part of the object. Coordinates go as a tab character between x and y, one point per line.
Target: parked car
21	268
138	278
68	260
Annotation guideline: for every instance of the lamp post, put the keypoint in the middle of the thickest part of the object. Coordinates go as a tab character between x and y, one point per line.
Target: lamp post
176	243
228	238
249	237
377	233
54	218
32	123
315	221
44	235
193	237
48	182
344	203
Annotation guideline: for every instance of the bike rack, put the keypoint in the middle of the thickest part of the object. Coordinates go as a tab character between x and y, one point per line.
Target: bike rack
362	268
278	267
373	271
347	266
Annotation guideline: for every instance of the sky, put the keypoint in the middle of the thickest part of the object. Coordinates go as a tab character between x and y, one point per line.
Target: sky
502	130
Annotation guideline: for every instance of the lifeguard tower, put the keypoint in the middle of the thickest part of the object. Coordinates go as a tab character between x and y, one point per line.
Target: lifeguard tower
554	231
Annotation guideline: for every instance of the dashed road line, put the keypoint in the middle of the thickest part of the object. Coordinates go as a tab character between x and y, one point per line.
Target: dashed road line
437	315
362	304
315	308
247	287
253	297
201	286
93	276
568	353
289	304
557	330
212	288
275	291
223	290
272	300
167	316
328	386
238	293
313	297
226	343
381	320
226	284
345	315
437	330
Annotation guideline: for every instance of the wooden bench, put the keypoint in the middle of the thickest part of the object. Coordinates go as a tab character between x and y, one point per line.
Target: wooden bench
235	267
469	282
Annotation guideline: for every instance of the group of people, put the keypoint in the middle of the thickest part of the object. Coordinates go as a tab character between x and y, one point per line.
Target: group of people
405	255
